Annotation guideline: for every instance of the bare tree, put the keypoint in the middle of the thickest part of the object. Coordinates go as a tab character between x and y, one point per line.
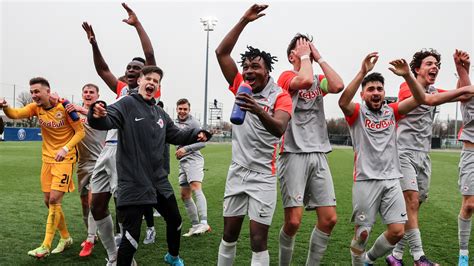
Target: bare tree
24	98
337	126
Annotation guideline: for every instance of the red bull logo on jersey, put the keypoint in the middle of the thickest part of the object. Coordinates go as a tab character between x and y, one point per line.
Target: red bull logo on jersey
378	124
310	94
52	124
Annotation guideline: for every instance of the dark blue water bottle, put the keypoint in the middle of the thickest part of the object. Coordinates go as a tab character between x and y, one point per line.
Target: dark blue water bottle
74	116
238	115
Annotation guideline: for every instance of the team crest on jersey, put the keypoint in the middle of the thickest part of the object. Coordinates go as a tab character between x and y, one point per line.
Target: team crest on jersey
59	115
160	123
124	91
265	103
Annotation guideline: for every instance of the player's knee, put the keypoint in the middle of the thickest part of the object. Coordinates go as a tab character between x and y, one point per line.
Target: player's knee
98	211
329	222
258	242
195	185
185	195
46	202
174	220
292	225
396	233
54	200
230	236
468	206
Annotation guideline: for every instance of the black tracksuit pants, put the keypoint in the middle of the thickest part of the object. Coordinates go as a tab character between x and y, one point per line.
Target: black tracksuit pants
132	221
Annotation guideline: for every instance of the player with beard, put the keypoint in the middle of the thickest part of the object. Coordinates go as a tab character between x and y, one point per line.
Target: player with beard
104	180
143	130
376	166
377	169
414	143
251	182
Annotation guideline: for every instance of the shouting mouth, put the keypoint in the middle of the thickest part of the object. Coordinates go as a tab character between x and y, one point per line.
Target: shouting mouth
149	89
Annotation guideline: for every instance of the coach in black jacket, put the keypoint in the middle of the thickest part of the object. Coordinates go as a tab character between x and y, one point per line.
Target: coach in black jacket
143	130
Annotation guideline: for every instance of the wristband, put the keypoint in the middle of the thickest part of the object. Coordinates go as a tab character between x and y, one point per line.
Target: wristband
304	57
66	149
321	60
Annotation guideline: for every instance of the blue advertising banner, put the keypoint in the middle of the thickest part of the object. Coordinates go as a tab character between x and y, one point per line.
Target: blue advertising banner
21	134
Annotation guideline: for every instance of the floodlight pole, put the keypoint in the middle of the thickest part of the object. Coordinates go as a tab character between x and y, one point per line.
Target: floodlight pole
208	23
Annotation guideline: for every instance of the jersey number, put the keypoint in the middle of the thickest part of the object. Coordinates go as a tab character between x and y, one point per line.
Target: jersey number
65	180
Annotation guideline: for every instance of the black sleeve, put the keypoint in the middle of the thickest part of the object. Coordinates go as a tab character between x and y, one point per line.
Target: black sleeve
177	136
114	118
2	126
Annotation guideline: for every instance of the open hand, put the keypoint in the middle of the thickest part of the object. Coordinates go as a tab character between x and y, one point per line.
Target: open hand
253	12
90	32
314	52
132	19
400	67
369	62
302	48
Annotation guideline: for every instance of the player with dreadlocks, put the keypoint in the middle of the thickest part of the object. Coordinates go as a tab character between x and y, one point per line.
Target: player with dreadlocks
251	181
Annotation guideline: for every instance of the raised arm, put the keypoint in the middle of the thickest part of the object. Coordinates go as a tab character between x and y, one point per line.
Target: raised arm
103	117
177	136
100	65
16	113
400	68
335	83
345	102
147	47
463	63
223	51
305	77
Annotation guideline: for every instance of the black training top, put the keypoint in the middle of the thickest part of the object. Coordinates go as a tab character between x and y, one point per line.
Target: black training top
143	130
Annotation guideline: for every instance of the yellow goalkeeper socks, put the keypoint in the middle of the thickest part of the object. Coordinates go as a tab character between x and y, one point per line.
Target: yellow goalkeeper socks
54	217
62	226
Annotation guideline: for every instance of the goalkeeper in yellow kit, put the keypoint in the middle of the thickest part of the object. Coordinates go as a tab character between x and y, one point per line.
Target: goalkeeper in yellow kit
59	154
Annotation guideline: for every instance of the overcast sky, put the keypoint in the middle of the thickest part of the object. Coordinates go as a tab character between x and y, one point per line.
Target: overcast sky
45	38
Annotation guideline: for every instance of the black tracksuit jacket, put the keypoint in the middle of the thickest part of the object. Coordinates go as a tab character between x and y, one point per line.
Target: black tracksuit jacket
143	131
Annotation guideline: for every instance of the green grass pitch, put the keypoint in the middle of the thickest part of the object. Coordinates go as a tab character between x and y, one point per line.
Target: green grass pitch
23	214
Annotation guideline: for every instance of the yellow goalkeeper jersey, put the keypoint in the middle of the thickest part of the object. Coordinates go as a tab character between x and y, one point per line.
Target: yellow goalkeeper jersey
57	129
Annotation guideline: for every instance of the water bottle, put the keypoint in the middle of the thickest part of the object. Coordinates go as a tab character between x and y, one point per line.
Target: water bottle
238	115
74	116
